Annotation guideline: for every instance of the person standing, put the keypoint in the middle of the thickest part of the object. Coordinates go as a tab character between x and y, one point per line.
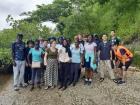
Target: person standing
90	60
18	57
59	46
51	62
64	59
78	39
114	39
28	70
105	56
76	61
36	63
42	45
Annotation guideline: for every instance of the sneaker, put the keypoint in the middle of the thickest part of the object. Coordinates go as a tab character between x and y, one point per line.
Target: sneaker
60	87
121	82
115	80
53	87
46	88
85	81
30	82
25	85
64	88
101	79
16	88
89	83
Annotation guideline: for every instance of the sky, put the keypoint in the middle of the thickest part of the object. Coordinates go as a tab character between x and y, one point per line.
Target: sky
16	7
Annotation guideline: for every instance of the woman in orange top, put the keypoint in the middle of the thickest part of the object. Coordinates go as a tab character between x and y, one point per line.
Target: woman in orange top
125	58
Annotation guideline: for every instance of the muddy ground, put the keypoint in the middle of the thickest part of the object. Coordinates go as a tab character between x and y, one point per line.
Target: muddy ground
105	93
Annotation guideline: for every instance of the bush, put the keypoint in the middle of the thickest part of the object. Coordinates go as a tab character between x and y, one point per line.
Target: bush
136	60
5	59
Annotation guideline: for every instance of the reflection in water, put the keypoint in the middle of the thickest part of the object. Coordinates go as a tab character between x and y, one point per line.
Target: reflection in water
3	79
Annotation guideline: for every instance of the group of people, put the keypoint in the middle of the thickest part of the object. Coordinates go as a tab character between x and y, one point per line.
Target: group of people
58	62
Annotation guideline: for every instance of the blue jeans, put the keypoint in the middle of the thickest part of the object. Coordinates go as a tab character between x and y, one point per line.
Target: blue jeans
36	72
19	73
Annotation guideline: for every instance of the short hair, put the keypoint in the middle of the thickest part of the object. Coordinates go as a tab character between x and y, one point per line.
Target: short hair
30	42
19	34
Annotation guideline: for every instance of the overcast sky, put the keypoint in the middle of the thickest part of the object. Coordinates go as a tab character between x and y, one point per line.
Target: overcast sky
16	7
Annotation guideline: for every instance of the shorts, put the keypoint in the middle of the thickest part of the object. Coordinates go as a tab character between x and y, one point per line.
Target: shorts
127	64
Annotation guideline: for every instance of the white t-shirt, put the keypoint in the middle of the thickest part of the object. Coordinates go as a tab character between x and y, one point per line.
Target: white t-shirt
90	46
63	55
58	46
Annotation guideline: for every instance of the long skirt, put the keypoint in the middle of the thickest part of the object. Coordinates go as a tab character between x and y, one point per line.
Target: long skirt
51	73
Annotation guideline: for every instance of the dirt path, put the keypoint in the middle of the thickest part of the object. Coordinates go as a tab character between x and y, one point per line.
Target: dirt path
106	93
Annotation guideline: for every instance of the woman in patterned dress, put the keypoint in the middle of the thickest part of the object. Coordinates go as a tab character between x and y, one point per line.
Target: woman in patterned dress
51	62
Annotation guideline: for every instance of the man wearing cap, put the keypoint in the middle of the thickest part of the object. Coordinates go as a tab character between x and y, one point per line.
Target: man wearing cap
18	57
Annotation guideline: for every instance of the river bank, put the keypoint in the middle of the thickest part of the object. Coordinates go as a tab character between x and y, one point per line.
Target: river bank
4	79
105	93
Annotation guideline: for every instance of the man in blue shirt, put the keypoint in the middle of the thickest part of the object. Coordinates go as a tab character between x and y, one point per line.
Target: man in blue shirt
105	58
18	57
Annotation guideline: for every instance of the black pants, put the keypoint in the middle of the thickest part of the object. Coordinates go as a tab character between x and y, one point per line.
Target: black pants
59	72
75	74
64	69
114	59
27	74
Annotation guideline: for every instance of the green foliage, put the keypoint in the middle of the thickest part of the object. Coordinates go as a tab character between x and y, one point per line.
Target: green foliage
50	12
136	60
92	16
31	30
5	58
